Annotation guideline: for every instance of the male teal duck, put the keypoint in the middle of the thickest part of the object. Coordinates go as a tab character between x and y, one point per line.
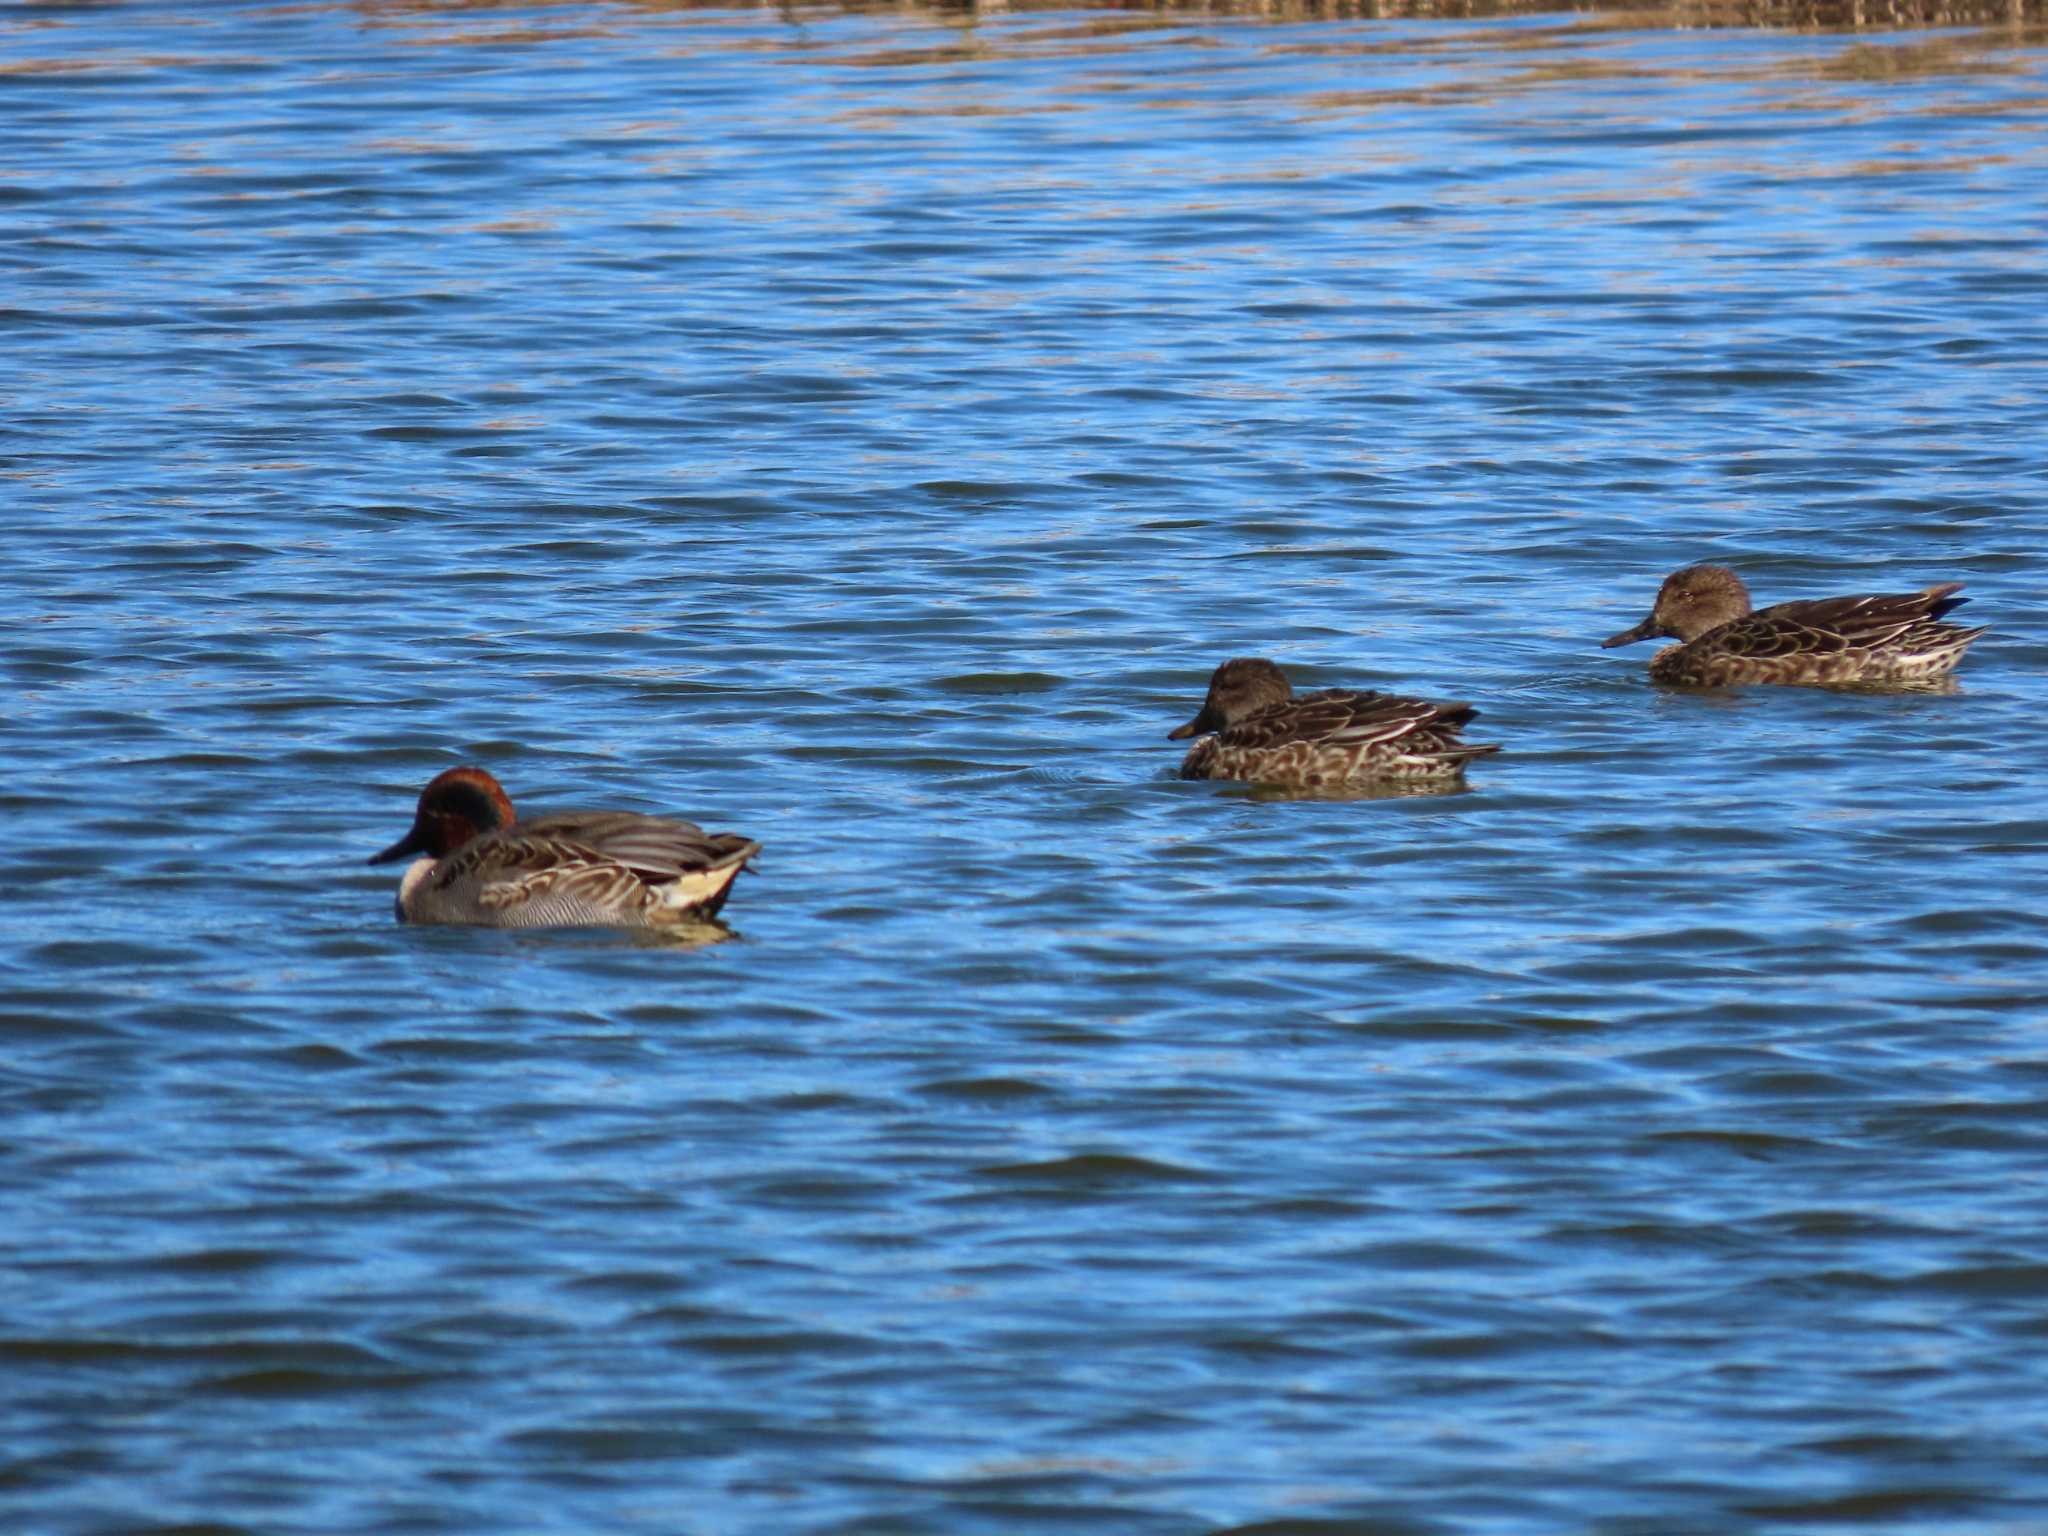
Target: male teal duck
1891	641
1336	738
615	869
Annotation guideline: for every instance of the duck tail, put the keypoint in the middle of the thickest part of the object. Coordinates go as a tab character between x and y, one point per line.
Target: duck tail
701	892
1954	641
1938	599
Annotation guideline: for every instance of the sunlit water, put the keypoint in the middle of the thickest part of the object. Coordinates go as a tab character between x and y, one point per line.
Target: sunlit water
866	433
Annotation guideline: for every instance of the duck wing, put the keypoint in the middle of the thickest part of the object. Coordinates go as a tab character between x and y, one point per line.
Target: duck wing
1830	625
1341	717
655	848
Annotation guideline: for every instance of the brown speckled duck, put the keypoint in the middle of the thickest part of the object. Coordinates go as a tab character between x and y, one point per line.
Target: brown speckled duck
615	869
1328	740
1891	641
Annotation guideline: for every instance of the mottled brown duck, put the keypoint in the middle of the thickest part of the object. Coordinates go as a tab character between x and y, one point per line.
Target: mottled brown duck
1890	641
1253	728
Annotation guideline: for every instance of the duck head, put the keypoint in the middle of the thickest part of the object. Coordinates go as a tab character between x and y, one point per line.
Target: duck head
458	805
1691	602
1236	689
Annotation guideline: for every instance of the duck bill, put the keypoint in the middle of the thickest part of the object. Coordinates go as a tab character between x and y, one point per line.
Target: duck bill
414	841
1194	727
1642	631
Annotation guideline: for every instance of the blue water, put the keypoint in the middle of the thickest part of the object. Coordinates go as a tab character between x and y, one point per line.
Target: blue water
866	432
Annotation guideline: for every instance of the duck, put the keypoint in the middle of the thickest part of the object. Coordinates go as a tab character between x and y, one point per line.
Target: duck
1253	728
479	864
1890	641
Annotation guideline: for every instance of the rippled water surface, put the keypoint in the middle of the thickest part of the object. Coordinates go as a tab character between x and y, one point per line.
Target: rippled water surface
866	431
